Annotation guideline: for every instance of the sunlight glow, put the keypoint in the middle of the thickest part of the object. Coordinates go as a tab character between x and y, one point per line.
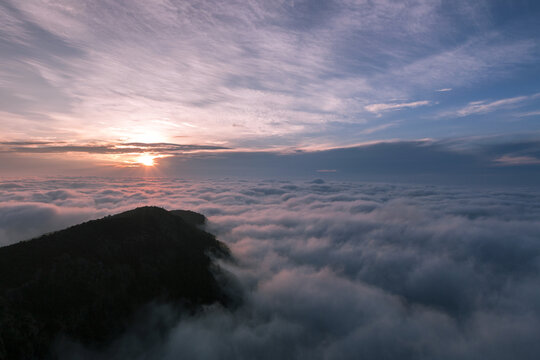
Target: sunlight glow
146	160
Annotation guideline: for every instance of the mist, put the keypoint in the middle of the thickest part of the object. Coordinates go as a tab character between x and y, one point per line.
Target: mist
326	269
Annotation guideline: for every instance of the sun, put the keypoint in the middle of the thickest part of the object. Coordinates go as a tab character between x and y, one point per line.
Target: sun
146	160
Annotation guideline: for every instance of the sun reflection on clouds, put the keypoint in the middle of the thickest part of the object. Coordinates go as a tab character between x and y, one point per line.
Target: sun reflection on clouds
140	160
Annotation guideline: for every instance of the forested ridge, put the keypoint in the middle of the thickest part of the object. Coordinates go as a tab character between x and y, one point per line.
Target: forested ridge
87	282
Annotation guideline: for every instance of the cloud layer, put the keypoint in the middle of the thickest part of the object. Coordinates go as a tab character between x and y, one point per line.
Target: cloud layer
101	148
329	270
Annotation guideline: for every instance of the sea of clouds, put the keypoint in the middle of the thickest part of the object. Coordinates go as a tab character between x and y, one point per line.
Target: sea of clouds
327	270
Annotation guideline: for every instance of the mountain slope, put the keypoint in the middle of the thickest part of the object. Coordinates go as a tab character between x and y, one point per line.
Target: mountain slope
89	280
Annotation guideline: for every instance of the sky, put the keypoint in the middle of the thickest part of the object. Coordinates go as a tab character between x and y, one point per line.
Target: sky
113	87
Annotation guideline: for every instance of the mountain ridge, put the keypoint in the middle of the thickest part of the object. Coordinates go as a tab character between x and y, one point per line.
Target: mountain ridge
87	281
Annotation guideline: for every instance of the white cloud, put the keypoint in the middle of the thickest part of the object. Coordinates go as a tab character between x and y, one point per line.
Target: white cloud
331	270
530	113
484	106
377	108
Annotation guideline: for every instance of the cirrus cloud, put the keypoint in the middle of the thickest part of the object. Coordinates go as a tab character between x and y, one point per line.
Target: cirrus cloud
377	108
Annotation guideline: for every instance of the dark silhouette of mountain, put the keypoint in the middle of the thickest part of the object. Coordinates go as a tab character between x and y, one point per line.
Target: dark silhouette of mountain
87	282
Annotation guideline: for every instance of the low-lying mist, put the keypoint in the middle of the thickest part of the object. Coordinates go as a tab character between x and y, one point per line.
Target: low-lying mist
327	270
